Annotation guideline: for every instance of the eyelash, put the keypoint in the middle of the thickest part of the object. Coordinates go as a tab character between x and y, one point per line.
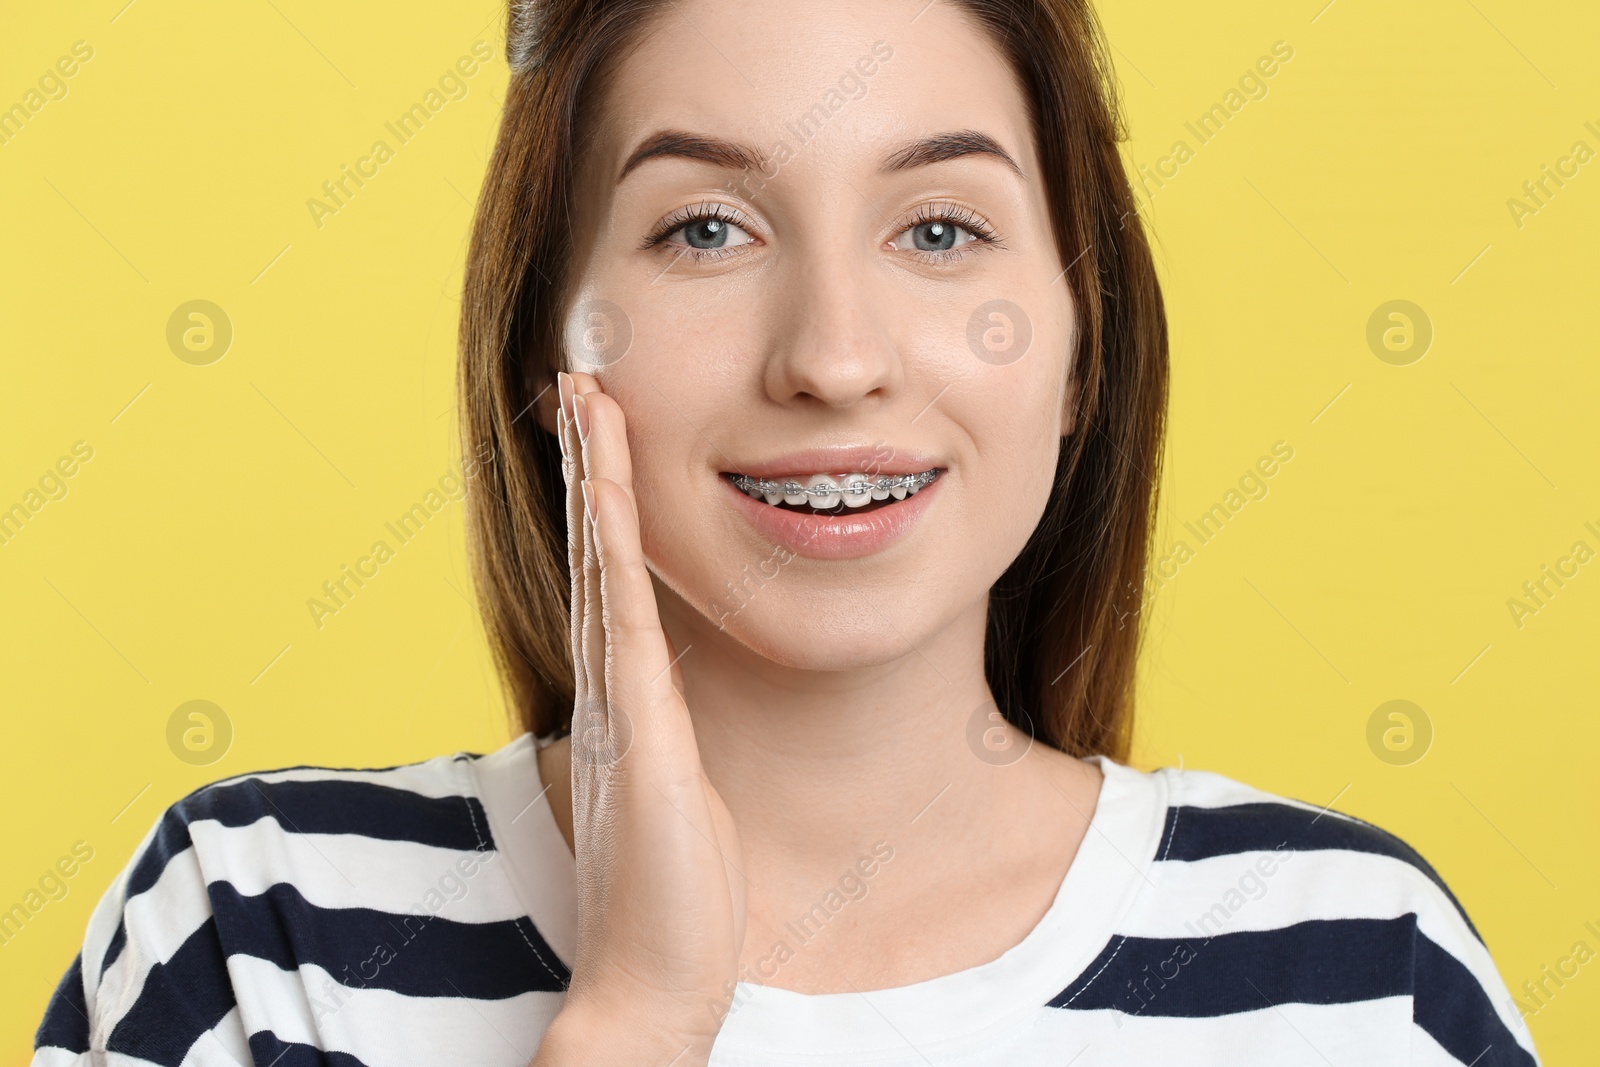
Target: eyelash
981	231
963	217
685	216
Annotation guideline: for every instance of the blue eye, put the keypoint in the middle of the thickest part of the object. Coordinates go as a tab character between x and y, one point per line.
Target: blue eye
709	231
940	233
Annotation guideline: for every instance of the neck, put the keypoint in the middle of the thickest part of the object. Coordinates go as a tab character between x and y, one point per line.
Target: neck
817	765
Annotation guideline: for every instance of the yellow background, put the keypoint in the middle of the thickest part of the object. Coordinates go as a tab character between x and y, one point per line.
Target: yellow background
1378	566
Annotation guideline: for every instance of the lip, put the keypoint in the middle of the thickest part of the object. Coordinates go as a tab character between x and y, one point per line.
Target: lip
881	459
833	537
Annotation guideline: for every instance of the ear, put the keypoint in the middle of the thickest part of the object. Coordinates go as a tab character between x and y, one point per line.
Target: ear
1069	407
548	399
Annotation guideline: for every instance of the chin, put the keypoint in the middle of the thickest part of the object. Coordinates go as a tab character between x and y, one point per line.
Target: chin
717	576
833	636
813	616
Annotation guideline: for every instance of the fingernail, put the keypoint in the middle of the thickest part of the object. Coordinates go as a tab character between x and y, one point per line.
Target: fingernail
580	408
564	387
561	432
588	499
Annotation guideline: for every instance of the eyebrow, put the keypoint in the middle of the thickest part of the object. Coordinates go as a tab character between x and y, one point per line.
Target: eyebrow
731	155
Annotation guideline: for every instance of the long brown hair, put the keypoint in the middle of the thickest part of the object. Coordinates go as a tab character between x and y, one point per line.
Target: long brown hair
1065	619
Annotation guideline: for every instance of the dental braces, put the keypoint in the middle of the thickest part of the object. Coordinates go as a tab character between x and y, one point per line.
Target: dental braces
791	488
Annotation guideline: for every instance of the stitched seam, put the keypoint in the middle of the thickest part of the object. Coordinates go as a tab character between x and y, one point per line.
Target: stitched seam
1177	811
483	847
537	954
1123	940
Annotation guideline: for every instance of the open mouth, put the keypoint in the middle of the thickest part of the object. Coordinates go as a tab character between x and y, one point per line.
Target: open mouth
829	494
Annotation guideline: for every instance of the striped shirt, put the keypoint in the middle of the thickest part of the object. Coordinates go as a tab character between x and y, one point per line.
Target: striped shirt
426	915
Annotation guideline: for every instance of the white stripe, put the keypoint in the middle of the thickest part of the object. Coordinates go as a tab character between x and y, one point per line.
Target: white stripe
97	936
1371	1033
440	777
352	871
1426	1052
1207	789
224	1043
1225	894
538	864
157	923
1268	889
385	1028
1442	925
49	1056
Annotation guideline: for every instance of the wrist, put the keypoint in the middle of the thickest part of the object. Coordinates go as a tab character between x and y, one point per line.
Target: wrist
595	1035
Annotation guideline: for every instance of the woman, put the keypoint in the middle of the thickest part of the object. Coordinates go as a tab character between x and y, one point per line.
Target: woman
824	340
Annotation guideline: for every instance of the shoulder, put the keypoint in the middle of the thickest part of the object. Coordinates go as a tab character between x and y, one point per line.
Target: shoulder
266	828
313	876
1316	906
432	803
1216	821
309	829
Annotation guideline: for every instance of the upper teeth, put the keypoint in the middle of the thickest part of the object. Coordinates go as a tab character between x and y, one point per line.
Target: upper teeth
827	490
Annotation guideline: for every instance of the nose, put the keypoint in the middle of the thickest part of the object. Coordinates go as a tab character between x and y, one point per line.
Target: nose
834	343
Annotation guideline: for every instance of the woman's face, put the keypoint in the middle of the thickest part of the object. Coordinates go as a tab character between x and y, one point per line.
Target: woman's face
880	288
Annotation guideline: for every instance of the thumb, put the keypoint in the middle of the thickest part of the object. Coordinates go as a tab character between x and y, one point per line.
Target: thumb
677	667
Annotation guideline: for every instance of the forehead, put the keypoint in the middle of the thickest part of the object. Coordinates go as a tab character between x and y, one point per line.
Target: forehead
835	83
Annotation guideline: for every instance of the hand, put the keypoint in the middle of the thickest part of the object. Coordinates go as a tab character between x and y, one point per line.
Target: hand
661	896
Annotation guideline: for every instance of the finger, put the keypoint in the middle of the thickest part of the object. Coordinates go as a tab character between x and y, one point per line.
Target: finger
605	450
676	673
638	661
578	537
583	382
614	440
592	625
592	637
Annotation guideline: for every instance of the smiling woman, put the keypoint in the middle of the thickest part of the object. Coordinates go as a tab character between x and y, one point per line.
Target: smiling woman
887	367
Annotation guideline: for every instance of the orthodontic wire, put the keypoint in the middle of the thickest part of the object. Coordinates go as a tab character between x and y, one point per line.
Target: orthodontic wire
792	488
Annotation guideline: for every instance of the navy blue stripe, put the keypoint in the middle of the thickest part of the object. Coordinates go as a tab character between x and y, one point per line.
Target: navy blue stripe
1336	961
1200	833
119	941
267	1047
324	767
180	1000
329	806
415	955
1452	1006
317	807
66	1017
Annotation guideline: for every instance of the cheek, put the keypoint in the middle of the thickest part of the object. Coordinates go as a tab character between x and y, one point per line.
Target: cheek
664	402
1015	433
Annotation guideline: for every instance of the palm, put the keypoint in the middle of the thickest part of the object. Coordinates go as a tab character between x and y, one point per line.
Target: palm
660	875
